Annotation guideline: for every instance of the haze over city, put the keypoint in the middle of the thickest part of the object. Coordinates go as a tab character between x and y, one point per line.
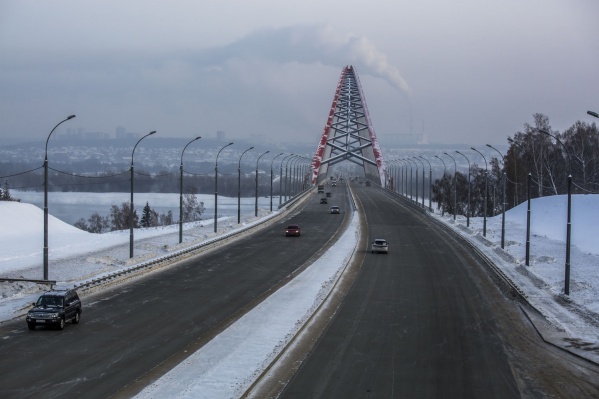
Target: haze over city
457	72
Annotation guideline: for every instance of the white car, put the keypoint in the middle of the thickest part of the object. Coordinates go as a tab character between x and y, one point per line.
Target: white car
379	245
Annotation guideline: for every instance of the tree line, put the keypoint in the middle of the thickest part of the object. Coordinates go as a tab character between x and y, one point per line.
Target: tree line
163	182
119	216
548	158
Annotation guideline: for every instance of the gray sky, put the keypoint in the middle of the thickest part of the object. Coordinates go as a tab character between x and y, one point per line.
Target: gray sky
465	71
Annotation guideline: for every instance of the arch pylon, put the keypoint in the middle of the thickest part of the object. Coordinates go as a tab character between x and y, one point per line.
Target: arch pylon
348	134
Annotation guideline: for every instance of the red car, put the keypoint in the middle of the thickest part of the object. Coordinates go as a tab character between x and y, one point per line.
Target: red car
292	230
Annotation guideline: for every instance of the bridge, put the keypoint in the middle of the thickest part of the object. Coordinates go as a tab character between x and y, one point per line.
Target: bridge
348	134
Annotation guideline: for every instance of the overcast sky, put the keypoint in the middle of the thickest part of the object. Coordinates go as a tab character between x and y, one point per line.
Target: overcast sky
465	71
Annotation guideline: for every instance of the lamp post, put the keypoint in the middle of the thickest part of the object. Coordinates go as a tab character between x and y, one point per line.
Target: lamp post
46	198
503	207
430	183
412	179
486	192
404	177
455	185
271	162
394	172
418	159
299	173
256	207
292	158
528	184
132	207
239	186
443	196
216	187
281	177
529	178
593	113
412	160
181	191
516	199
291	179
391	168
468	211
569	219
399	174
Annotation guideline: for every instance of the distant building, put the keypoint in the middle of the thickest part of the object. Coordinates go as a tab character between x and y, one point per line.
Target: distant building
220	135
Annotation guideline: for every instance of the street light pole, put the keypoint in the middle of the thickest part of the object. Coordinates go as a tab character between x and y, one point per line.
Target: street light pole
486	192
503	207
132	207
404	176
271	162
181	191
256	207
443	193
455	185
593	113
46	199
412	180
287	176
418	159
281	177
216	187
528	179
569	221
468	212
430	183
239	186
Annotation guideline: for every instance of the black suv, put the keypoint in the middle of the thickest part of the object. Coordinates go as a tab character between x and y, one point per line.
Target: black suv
54	308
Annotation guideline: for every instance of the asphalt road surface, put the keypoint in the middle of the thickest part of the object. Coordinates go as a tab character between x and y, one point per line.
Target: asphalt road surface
426	321
137	331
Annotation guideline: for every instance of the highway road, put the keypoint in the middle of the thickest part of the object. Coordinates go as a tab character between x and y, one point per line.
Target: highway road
136	331
427	321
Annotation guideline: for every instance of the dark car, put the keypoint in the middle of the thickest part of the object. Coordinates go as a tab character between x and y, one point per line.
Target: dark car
323	201
293	230
55	308
335	209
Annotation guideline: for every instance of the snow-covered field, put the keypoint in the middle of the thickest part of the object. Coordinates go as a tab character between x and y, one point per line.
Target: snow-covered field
228	365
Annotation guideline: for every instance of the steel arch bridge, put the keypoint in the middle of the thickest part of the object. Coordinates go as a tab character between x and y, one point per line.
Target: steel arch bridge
348	134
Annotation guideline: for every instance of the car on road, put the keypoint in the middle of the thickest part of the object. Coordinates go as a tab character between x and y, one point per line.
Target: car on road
379	245
323	201
328	194
55	308
335	209
293	230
